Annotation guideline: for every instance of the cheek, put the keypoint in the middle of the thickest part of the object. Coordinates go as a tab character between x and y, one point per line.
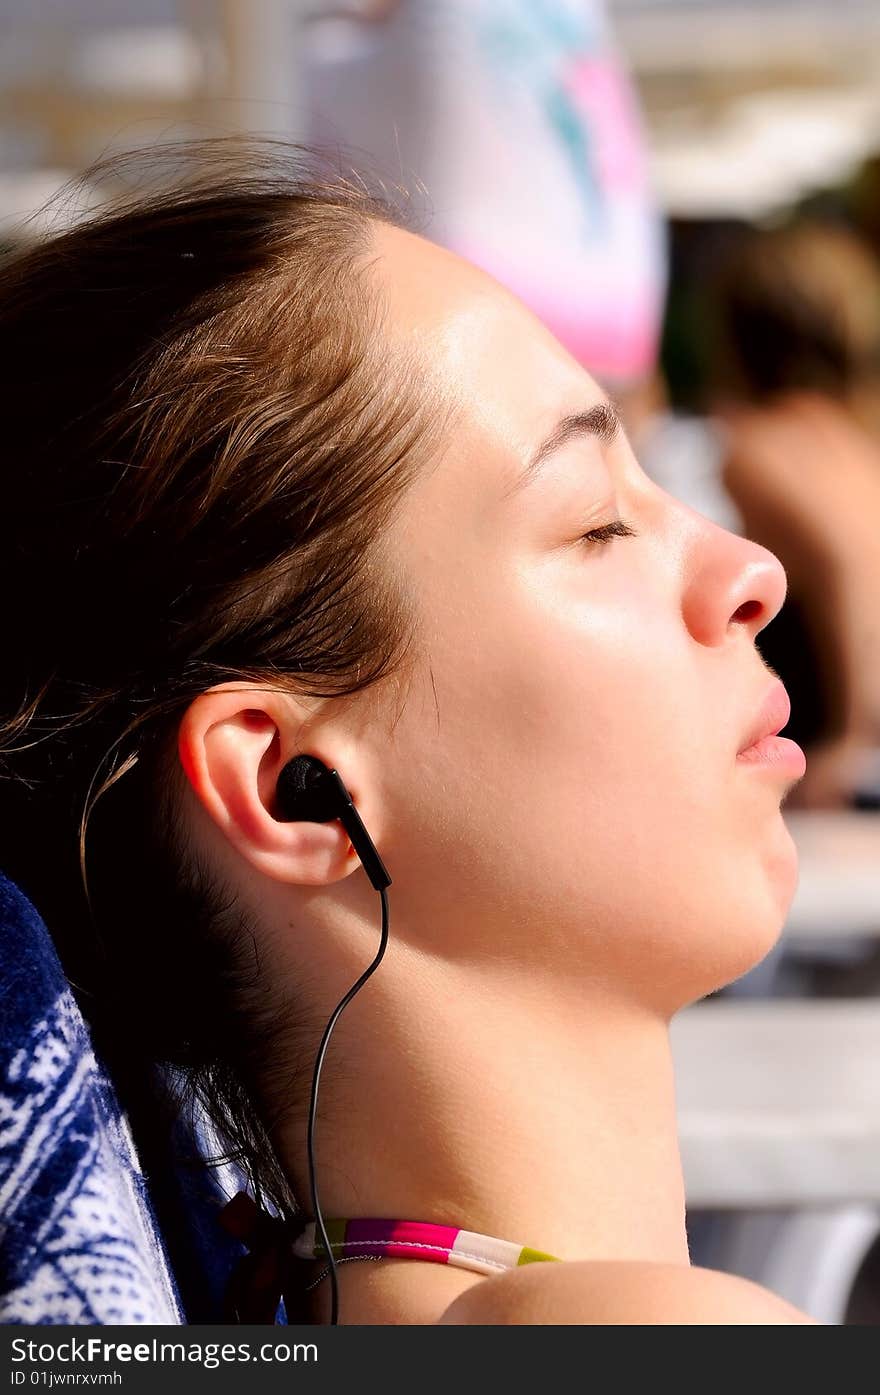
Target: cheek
550	721
556	772
572	685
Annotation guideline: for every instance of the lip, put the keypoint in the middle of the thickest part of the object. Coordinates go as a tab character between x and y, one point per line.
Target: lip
780	753
772	715
763	744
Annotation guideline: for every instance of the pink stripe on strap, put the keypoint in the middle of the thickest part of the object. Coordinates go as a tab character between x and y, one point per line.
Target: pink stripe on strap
400	1239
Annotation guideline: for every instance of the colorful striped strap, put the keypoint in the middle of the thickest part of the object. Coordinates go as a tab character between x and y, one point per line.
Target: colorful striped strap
441	1244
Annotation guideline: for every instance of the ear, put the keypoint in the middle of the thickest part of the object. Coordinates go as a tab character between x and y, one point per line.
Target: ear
233	743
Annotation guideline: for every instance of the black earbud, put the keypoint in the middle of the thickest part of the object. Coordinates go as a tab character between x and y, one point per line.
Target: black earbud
307	790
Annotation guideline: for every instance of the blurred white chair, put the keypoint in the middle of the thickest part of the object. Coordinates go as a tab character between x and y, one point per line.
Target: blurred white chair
811	1258
779	1101
779	1121
838	891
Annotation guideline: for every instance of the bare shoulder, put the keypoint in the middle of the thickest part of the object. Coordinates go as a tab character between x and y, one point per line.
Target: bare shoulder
627	1293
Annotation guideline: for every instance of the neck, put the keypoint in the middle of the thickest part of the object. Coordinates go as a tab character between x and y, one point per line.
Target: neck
543	1115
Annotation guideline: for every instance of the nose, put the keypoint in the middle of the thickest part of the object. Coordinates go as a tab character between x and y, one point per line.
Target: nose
732	583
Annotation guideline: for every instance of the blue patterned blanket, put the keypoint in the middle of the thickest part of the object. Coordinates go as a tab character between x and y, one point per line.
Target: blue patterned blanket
78	1237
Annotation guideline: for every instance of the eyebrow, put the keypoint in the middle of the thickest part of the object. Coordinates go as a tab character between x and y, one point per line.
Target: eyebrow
601	421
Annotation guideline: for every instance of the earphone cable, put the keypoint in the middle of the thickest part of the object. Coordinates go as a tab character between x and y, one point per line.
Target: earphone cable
313	1106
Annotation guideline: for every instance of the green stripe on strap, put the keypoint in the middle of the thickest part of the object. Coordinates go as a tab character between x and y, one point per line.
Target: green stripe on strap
528	1256
335	1234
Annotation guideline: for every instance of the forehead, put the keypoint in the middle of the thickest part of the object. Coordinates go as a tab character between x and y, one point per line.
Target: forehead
480	345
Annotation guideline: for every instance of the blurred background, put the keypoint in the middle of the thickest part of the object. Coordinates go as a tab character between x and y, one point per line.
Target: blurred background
688	193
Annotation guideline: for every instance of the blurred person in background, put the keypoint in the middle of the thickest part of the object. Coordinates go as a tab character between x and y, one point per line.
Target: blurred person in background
521	123
795	376
861	201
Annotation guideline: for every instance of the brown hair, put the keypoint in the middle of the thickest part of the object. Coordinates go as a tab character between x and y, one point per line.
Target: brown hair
205	437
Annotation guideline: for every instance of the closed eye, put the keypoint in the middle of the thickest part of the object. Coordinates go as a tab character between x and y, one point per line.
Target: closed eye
618	529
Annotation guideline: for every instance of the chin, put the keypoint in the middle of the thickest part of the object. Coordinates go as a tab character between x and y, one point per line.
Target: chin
731	934
752	922
749	951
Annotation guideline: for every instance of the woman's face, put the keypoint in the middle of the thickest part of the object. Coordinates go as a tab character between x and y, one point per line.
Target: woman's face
560	784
